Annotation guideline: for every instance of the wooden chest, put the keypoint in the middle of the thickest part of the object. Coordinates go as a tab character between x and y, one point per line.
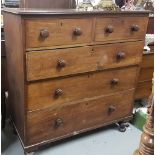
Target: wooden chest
71	71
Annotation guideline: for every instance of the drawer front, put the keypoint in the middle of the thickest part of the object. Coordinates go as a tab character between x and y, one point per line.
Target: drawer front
120	28
61	62
69	120
64	91
53	32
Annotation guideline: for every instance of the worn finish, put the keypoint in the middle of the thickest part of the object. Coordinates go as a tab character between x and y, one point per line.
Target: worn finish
15	69
79	116
82	82
48	63
144	86
60	32
120	28
42	94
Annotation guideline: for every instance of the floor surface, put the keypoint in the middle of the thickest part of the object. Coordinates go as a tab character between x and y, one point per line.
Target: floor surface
106	141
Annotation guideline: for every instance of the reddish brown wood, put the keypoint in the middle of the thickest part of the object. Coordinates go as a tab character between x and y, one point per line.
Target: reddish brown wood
147	139
15	70
78	116
133	28
87	77
42	94
62	62
60	32
144	86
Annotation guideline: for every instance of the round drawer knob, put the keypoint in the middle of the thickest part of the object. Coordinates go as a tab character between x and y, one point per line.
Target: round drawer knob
44	33
61	63
120	55
111	109
135	28
77	31
58	122
114	81
58	92
109	29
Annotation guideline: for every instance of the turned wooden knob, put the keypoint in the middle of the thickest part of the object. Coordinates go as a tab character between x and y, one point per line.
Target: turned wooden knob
61	63
58	122
114	81
135	28
58	92
109	29
120	55
44	33
77	31
111	109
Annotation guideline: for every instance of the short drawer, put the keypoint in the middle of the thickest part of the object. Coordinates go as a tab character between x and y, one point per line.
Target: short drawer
62	62
57	92
53	32
54	124
120	28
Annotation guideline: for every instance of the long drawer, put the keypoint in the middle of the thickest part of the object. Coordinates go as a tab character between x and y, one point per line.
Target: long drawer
120	28
69	120
53	32
62	91
61	62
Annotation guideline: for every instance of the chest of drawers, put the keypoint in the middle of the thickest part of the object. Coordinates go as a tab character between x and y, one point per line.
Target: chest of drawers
71	71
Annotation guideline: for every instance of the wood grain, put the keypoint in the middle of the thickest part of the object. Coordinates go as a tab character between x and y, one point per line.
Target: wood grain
45	64
143	89
41	124
61	31
121	28
15	70
42	94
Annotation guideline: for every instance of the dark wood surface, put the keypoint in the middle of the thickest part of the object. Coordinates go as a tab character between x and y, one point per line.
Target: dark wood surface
144	86
15	69
79	116
29	11
36	104
89	85
47	63
47	4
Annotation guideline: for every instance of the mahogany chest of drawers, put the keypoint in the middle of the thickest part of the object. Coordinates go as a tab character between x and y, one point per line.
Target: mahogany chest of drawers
71	71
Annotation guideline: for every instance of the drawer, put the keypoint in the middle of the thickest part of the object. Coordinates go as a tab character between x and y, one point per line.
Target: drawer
69	120
57	92
53	32
120	28
61	62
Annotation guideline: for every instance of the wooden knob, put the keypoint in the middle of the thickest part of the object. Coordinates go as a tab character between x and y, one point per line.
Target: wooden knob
120	55
58	92
114	81
44	33
111	109
77	31
135	28
58	122
61	63
109	29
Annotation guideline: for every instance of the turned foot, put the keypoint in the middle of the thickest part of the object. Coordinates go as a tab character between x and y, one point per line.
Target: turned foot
122	126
